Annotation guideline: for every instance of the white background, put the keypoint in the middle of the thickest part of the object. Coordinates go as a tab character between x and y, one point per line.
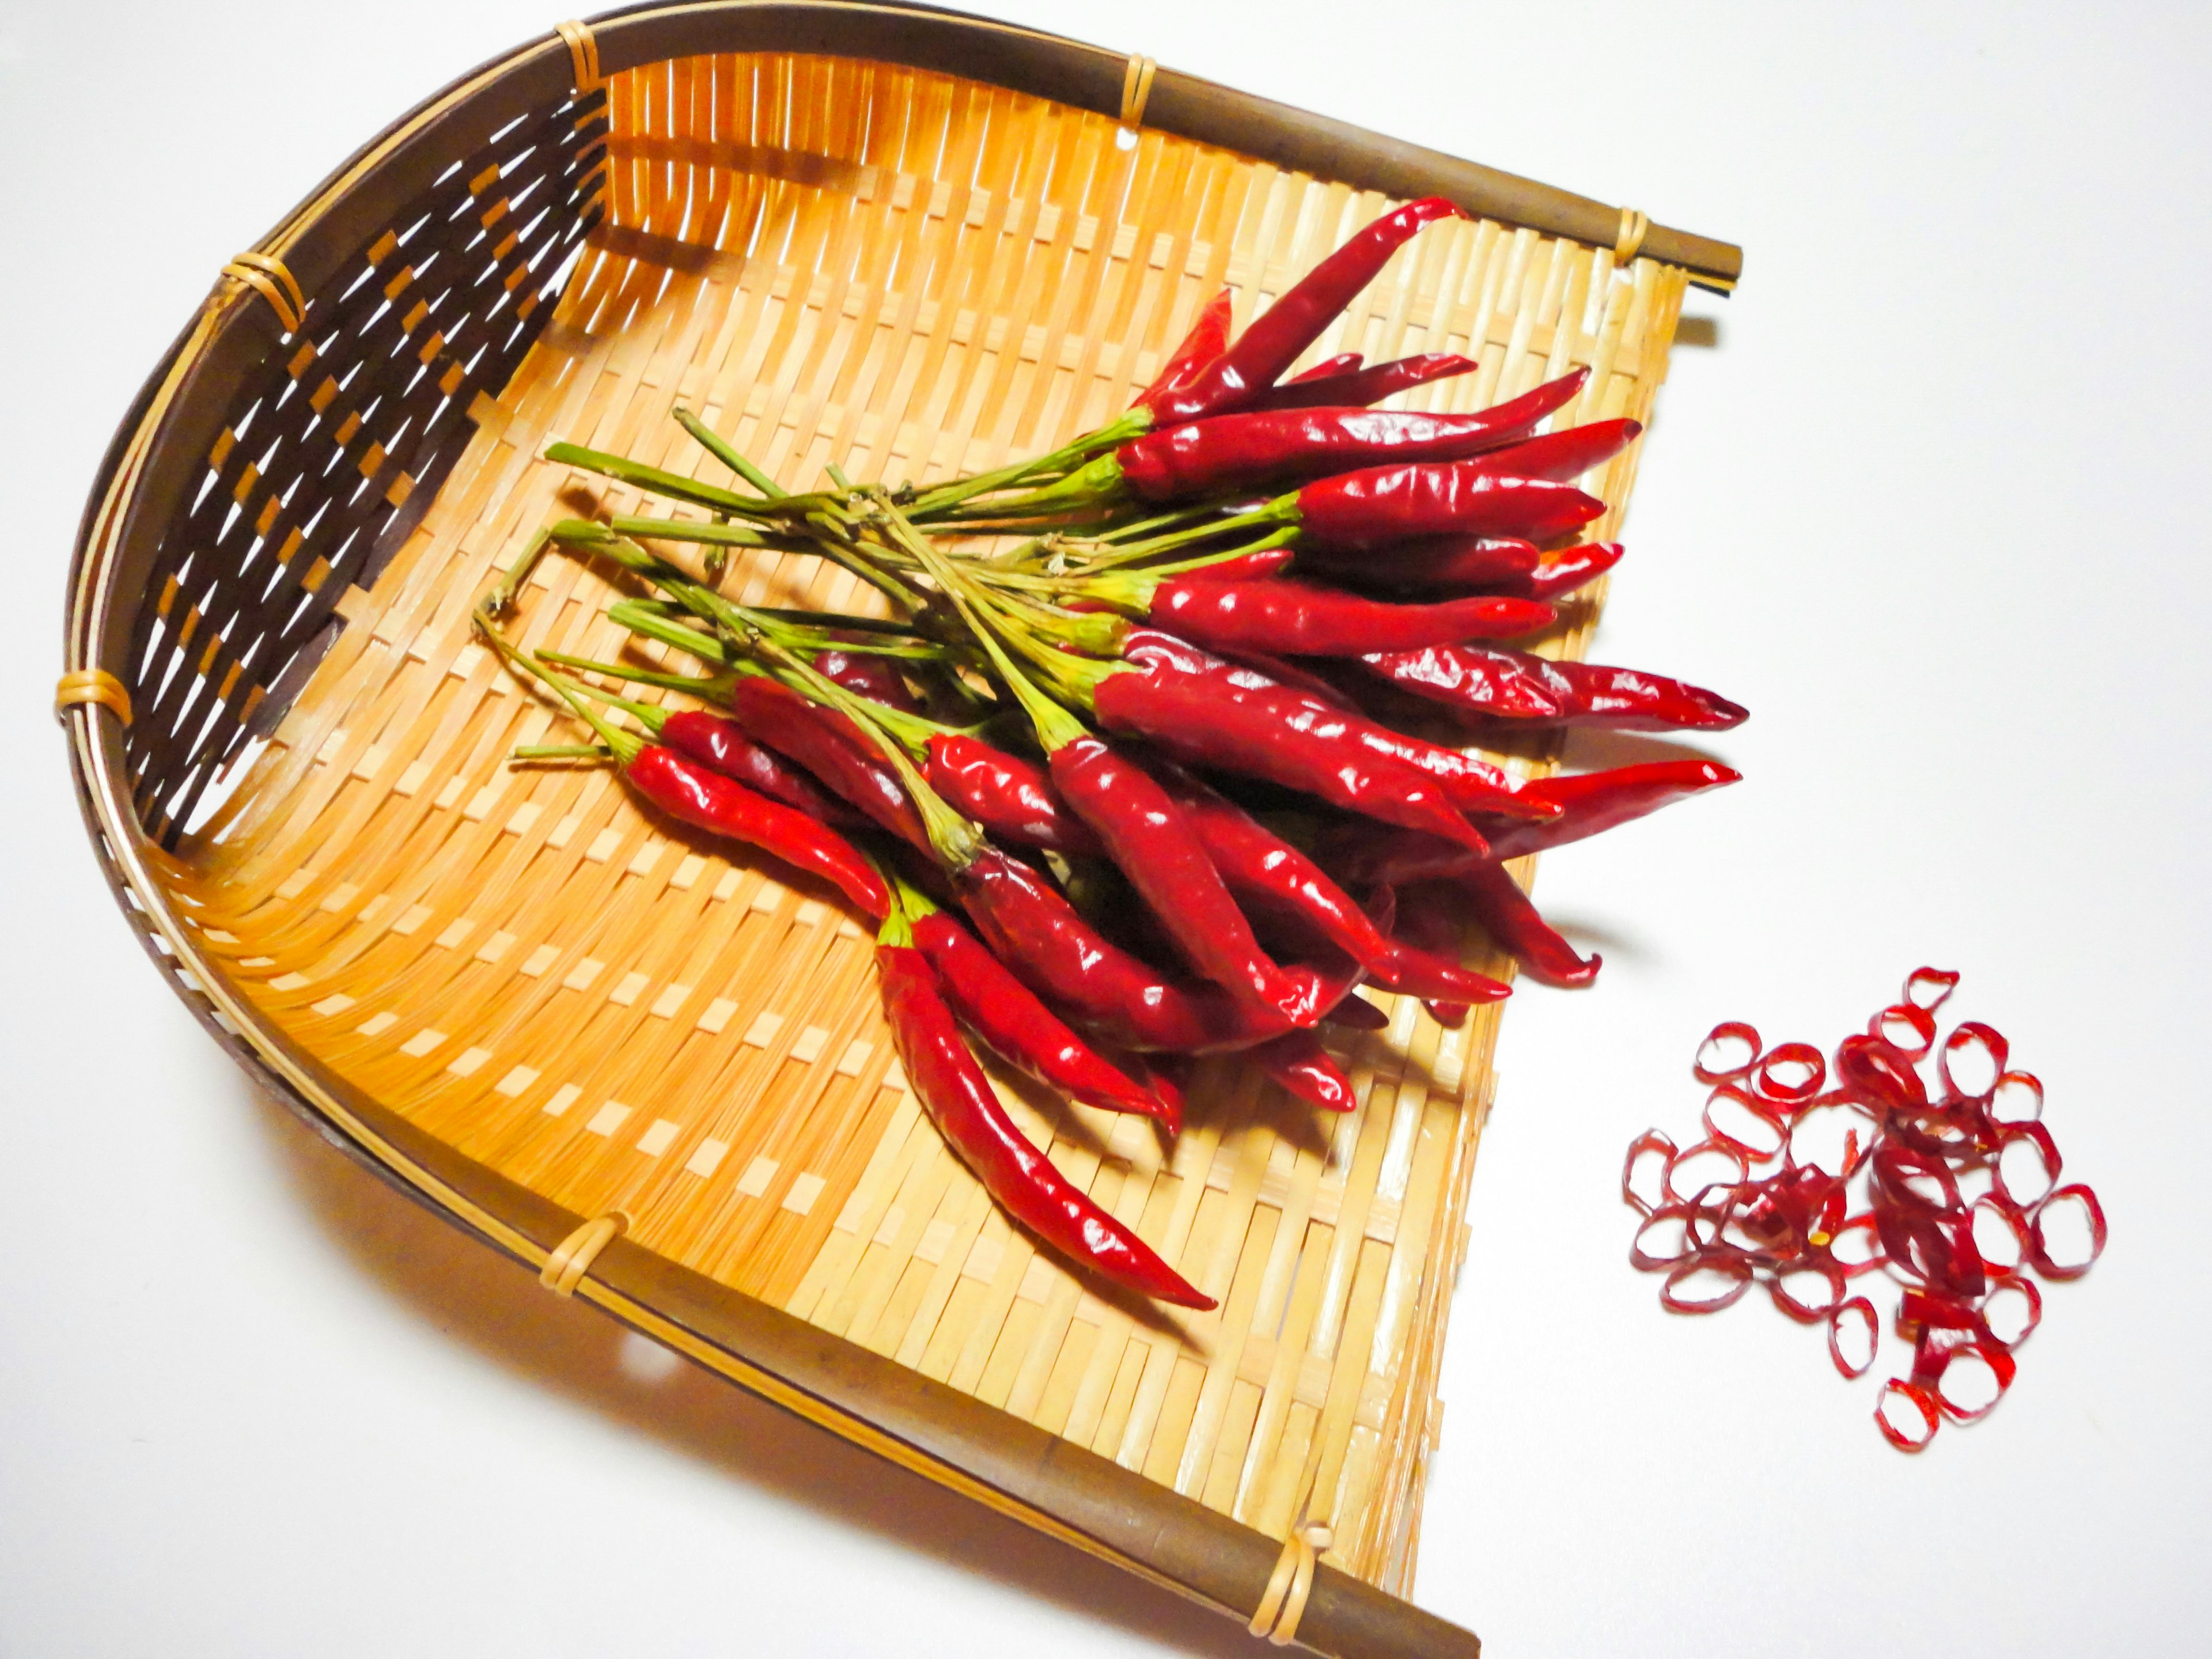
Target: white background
1927	495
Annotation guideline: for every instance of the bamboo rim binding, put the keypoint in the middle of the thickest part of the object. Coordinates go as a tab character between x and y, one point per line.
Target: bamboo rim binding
1635	225
86	686
583	56
268	278
573	1256
1136	90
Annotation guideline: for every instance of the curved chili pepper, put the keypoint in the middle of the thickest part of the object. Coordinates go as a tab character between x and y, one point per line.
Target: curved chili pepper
1471	785
1274	339
1249	449
1560	574
871	676
949	1083
1386	504
1506	913
1418	971
1009	795
1006	1014
1160	852
1045	941
1327	369
1265	869
722	745
1592	802
1361	388
1561	457
684	789
1500	683
1208	338
1149	646
827	743
1302	1067
1208	719
1300	620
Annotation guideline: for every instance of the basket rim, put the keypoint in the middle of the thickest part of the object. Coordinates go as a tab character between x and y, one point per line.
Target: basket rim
1058	1488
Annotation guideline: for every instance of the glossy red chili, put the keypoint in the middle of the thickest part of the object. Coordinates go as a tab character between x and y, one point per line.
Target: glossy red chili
1209	718
1164	858
1298	619
869	675
1274	339
1386	504
721	744
1514	925
1359	388
1011	796
952	1087
1007	1015
1592	802
1298	1063
1265	869
684	789
1444	562
1327	369
1207	338
827	743
1560	574
1561	457
1497	683
1249	449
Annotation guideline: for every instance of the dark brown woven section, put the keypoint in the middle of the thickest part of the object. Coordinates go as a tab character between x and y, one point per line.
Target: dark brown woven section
331	452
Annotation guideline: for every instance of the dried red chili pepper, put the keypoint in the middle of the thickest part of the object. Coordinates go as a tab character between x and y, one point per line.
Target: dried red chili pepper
1297	1061
1207	338
721	745
1363	510
1561	457
1009	796
1355	387
868	675
1592	802
1327	369
1514	925
684	789
1499	684
1274	339
959	1099
1165	859
1247	450
1299	619
1451	563
1560	574
1007	1015
827	743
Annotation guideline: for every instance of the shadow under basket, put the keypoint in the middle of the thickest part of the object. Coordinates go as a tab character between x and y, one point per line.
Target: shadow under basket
907	242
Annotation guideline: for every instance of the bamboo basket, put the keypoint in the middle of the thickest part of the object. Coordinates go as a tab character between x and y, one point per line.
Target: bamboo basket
906	241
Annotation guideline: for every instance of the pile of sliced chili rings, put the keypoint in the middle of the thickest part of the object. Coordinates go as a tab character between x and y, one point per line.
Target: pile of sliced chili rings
1150	714
1814	1173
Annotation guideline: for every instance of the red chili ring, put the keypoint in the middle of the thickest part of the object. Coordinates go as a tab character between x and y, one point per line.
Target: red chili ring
1922	981
1918	1020
2018	1080
2052	1163
2026	1286
1740	1271
1651	1140
2041	1254
1802	1313
2014	1217
1990	1039
2001	1364
1930	1410
1791	1053
1643	1262
1734	1030
1865	1308
1758	1109
1667	1182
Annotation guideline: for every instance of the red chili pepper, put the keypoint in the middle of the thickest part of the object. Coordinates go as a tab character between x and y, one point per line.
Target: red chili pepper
1386	504
1249	567
1274	339
1208	338
1006	1014
1361	388
1592	802
870	676
1164	858
1009	795
1248	449
1561	457
1300	620
1560	574
1434	977
1499	684
1515	927
684	789
1047	944
721	745
1444	562
827	743
1327	369
949	1083
1297	1061
1209	719
1469	784
1266	870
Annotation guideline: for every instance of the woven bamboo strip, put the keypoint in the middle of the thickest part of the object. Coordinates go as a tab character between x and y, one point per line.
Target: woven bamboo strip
904	273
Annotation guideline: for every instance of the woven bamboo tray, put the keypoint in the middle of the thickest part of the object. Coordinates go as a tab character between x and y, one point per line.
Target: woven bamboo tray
906	241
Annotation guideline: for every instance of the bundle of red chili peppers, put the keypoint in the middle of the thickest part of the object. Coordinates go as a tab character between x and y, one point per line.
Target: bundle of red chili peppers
1754	1202
1139	710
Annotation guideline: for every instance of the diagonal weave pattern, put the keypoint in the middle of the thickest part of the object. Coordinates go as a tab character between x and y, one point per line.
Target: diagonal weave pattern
904	273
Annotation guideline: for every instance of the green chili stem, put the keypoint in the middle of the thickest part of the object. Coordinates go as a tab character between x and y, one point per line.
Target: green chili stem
722	450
